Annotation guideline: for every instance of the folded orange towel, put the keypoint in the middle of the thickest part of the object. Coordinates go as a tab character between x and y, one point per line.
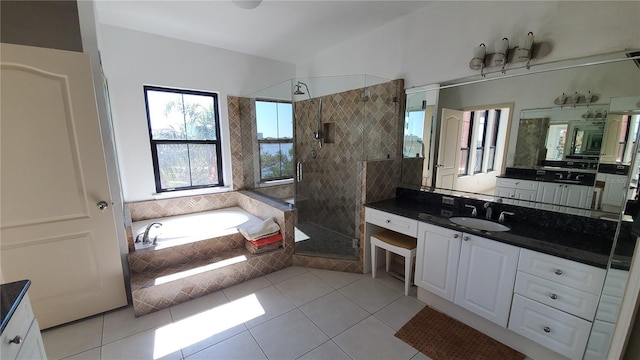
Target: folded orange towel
267	240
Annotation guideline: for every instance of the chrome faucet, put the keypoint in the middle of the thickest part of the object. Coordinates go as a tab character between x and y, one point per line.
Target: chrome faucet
487	206
145	235
474	212
502	214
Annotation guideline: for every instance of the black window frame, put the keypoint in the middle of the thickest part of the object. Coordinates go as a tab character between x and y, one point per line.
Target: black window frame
467	149
479	165
493	142
275	141
154	143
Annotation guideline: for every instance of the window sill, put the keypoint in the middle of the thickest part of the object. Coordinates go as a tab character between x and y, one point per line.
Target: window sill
275	183
181	193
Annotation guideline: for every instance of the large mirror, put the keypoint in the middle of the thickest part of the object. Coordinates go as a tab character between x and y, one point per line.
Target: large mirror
530	140
555	124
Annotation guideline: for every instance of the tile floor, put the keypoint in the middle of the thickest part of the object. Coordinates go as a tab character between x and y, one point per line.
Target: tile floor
295	313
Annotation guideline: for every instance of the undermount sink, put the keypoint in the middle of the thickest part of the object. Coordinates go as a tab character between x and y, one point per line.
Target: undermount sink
479	224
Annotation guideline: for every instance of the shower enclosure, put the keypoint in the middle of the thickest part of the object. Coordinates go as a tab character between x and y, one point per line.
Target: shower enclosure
339	123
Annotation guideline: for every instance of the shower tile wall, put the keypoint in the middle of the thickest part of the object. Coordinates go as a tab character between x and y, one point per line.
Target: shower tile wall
383	132
530	146
364	128
235	140
249	140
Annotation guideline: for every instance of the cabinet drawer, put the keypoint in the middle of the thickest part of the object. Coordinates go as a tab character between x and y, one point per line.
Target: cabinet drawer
18	326
554	329
517	184
576	302
393	222
571	273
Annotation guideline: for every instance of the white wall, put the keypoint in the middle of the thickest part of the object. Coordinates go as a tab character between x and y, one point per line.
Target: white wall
132	59
435	43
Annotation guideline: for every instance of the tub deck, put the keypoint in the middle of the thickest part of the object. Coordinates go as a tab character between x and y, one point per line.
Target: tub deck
183	267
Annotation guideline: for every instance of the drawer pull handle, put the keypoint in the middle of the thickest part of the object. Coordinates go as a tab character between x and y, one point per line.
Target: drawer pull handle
466	238
557	272
547	329
455	236
387	221
16	340
553	296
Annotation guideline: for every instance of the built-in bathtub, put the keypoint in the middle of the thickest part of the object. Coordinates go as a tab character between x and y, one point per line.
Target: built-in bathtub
189	228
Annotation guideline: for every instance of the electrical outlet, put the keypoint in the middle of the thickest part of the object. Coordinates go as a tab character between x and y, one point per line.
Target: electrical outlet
448	200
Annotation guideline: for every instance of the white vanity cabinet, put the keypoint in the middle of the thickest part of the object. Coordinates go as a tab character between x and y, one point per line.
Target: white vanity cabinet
471	271
555	301
554	196
486	277
21	338
437	259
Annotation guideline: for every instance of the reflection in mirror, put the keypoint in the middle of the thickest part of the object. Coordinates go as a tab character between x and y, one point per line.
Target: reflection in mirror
554	144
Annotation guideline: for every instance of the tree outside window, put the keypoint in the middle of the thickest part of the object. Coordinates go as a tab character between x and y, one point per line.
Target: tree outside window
274	123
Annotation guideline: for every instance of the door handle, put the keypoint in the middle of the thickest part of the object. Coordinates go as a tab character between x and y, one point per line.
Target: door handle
102	205
299	171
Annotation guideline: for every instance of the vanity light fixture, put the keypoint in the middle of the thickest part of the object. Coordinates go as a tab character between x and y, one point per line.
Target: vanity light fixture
477	62
576	99
502	54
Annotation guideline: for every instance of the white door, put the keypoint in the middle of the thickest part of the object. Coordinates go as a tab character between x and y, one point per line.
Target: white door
53	177
449	149
437	259
486	277
611	138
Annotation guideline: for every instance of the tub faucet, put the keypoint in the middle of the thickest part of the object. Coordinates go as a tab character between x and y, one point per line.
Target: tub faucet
145	235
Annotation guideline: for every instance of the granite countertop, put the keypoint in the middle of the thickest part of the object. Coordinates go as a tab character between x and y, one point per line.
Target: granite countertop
10	296
592	250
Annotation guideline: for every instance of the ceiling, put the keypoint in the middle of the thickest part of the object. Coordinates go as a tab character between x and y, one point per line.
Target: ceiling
289	31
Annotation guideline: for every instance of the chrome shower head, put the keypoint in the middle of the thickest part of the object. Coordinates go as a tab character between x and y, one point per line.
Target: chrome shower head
297	90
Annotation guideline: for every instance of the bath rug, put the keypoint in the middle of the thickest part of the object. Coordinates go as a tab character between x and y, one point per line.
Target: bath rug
441	337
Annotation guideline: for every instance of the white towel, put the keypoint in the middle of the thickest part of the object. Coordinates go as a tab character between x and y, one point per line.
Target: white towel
255	232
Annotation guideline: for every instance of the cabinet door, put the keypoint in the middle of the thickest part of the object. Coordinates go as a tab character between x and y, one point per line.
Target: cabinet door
32	347
437	260
525	197
486	277
506	193
548	196
577	196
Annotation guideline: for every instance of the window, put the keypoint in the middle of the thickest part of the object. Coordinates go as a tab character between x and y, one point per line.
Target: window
183	128
274	123
482	129
413	145
493	139
481	133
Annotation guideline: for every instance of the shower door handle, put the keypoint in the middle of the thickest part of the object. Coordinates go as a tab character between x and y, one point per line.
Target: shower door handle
299	171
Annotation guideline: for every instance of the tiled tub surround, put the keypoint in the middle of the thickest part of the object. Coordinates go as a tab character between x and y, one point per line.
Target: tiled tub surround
572	237
164	277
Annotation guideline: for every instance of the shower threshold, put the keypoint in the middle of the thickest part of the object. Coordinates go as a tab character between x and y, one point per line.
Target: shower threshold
315	240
